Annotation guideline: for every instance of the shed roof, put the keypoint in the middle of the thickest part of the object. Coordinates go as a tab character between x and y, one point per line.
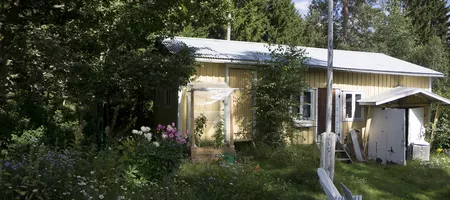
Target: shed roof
355	61
402	92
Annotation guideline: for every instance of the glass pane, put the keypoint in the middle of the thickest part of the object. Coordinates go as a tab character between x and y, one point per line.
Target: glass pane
348	105
307	97
306	111
358	108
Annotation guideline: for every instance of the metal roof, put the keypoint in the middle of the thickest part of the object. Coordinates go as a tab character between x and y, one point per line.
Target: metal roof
401	92
244	52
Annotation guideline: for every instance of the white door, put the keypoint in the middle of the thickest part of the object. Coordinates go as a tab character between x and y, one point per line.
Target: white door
395	132
416	130
377	137
387	135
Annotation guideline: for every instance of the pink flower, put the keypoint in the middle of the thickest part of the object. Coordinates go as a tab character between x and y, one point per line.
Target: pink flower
171	135
183	141
173	124
160	127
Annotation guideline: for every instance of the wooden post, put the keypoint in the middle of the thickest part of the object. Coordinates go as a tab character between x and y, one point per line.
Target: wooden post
366	130
191	124
328	144
327	152
436	118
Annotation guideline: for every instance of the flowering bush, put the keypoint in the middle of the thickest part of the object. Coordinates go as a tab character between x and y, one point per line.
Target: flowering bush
156	155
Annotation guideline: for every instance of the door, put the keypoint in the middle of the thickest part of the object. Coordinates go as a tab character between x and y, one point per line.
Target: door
416	131
241	104
387	136
322	109
395	136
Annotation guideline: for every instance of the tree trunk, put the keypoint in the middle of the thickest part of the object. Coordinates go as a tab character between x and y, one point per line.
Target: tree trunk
345	21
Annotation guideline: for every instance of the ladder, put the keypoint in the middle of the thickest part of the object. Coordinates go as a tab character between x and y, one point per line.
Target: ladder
340	152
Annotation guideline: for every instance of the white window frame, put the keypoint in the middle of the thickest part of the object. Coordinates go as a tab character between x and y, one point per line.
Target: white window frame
344	106
306	122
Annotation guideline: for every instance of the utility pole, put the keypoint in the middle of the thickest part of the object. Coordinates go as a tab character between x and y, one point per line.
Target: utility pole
328	140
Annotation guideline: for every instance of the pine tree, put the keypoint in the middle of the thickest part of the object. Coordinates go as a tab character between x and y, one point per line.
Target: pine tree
429	18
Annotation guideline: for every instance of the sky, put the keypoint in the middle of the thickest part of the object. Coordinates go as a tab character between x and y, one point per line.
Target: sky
302	5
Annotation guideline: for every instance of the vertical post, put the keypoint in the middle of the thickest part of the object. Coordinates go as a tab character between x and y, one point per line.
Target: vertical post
329	67
436	118
192	121
327	153
328	144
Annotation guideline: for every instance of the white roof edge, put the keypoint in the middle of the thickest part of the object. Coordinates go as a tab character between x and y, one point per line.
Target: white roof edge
235	61
412	91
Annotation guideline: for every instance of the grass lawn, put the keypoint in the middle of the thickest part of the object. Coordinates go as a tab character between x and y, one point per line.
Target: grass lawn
290	173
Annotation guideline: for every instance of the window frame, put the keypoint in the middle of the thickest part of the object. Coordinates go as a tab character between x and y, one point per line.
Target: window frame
344	106
302	121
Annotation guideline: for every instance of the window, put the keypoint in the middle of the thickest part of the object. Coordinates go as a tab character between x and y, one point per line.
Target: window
305	108
352	109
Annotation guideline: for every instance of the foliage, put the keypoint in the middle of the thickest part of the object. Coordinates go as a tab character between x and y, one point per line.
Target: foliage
283	77
90	67
200	125
219	132
154	156
429	18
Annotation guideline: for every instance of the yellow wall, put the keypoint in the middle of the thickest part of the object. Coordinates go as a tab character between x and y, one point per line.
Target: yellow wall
368	84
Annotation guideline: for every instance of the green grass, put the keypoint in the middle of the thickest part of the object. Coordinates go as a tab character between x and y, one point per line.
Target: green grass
290	173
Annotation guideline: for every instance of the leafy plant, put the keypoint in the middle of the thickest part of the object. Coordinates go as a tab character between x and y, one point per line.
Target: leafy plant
281	78
219	133
200	125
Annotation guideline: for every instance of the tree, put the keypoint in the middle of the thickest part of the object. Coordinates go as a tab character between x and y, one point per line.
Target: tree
94	62
282	77
429	18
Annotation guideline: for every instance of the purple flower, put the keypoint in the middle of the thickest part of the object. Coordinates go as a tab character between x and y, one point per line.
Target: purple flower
171	135
173	124
183	141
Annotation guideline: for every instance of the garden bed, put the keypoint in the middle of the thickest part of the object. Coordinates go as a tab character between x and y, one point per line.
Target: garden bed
209	154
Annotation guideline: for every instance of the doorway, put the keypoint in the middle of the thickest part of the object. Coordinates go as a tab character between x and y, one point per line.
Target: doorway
322	110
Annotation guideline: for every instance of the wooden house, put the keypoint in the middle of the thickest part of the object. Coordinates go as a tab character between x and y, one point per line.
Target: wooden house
386	97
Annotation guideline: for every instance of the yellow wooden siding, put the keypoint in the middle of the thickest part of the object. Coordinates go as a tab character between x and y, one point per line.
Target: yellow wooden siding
211	72
301	135
368	84
241	106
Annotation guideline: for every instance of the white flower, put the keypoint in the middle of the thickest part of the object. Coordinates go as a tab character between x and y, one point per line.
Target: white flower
156	144
139	133
120	197
148	136
145	129
164	136
92	172
35	190
135	131
101	196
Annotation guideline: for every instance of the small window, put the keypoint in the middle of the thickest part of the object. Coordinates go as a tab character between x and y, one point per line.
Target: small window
305	109
352	109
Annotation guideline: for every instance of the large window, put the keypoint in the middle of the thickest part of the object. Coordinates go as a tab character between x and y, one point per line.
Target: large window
352	109
305	108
